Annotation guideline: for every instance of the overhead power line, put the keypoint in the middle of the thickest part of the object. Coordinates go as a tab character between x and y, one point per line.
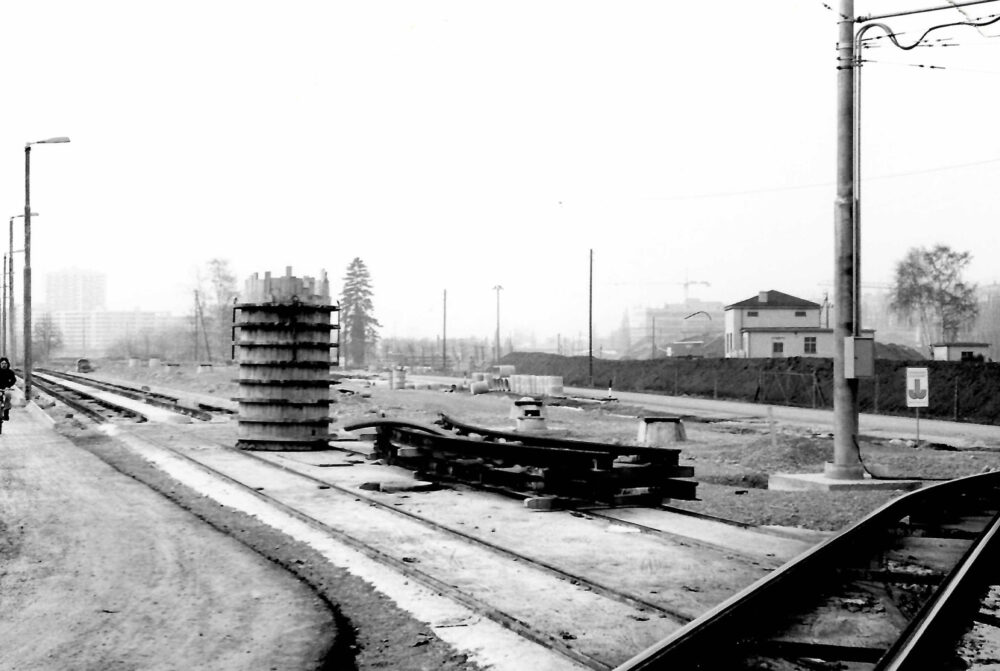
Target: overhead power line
817	185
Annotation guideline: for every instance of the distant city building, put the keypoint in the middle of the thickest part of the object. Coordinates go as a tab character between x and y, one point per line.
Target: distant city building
651	332
94	333
76	290
773	324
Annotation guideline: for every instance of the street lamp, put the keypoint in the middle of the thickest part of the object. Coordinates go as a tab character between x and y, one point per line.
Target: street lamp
496	357
9	314
27	258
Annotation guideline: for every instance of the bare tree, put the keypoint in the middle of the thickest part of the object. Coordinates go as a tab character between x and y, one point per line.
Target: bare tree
47	338
929	287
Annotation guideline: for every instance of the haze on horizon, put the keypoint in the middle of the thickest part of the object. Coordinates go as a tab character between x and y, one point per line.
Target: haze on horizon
456	146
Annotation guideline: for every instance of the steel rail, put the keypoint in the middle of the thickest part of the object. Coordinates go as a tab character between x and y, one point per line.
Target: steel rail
65	395
686	541
941	619
594	586
537	440
151	397
741	618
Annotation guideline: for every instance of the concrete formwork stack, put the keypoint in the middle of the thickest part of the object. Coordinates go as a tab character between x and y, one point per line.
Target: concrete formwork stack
282	339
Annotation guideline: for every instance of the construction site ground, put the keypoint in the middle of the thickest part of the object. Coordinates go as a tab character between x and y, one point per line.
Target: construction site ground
337	616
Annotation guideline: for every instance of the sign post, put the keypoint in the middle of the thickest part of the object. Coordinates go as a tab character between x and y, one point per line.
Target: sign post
918	392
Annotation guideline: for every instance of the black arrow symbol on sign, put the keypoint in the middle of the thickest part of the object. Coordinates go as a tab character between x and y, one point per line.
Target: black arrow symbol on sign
916	392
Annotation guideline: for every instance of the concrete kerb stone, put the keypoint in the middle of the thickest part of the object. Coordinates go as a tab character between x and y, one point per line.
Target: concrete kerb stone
39	415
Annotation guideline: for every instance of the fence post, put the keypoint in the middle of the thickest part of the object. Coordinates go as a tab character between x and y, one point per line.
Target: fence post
955	400
875	395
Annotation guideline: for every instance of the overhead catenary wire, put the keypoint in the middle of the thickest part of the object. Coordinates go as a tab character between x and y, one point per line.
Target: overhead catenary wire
818	185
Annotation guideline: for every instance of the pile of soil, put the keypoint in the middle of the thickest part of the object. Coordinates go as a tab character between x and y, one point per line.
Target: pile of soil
787	453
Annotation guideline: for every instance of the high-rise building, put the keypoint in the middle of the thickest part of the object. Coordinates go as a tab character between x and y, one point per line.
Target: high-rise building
76	290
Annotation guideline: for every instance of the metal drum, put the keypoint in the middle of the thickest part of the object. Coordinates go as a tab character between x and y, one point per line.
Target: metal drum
282	329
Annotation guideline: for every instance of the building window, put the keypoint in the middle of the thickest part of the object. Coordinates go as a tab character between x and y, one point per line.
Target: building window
751	313
800	313
810	345
777	348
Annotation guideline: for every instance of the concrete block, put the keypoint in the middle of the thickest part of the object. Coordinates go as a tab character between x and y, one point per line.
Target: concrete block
408	452
529	424
542	503
661	431
407	486
791	482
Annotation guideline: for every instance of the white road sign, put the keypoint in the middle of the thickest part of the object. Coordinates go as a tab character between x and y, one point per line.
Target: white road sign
918	388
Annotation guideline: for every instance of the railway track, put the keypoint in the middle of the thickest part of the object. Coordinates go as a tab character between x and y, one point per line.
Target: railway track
594	616
203	411
898	590
94	408
490	578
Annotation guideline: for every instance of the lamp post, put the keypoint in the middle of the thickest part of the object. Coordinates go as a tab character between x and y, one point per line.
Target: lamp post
27	259
496	357
9	320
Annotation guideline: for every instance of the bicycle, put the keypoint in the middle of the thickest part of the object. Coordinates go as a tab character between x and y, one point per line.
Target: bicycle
3	405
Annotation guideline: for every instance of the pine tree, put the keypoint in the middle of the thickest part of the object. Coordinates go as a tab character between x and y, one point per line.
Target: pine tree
357	319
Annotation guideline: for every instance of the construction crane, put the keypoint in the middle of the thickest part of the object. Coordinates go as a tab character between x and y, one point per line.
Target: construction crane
688	283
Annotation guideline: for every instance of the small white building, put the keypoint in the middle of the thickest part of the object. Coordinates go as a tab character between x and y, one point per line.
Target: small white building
773	324
960	351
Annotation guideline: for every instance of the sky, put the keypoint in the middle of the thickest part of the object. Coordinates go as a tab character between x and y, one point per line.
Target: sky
455	146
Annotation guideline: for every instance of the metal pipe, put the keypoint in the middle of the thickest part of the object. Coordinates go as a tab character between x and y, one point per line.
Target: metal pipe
954	5
27	272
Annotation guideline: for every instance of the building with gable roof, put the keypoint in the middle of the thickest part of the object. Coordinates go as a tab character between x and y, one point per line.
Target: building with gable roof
773	324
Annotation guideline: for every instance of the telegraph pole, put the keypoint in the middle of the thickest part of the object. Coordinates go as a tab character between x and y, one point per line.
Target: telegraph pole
590	320
444	332
846	464
498	289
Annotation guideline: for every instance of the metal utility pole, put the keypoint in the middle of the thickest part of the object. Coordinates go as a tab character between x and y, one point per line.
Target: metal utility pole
847	220
846	464
27	260
12	352
652	339
27	273
590	320
498	289
3	311
444	333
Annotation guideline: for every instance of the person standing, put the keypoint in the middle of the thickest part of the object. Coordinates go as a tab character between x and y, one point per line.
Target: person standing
7	381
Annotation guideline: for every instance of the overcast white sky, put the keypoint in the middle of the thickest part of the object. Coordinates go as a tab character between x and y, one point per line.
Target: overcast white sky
460	145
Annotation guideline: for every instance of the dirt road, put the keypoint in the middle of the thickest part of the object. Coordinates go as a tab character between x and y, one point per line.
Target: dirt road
98	571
